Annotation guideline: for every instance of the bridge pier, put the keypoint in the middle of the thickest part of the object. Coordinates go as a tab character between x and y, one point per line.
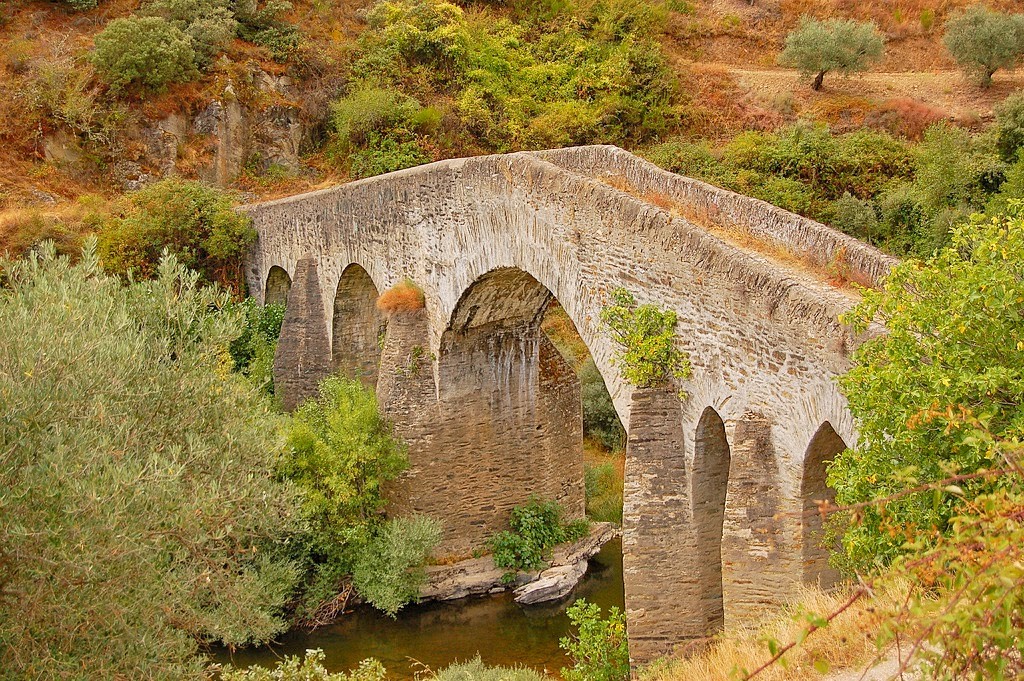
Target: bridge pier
504	423
760	561
303	355
660	557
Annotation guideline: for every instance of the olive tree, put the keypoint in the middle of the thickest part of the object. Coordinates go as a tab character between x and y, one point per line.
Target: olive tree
982	41
818	47
139	508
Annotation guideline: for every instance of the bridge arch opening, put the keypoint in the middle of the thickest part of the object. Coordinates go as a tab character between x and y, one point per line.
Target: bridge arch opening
710	481
357	325
278	284
824	447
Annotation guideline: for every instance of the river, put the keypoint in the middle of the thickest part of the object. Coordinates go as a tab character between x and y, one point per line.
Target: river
436	634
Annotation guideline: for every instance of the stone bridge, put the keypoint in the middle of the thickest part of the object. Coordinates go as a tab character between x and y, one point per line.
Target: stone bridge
720	484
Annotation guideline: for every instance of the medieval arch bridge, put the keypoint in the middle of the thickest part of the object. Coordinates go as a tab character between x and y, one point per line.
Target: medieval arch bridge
715	482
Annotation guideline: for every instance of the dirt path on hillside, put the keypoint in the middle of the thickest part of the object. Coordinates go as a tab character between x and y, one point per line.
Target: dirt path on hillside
945	90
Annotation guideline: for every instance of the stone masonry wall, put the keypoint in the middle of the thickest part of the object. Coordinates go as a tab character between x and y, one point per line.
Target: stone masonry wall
764	341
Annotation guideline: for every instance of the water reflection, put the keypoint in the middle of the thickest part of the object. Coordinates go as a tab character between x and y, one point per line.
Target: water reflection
437	634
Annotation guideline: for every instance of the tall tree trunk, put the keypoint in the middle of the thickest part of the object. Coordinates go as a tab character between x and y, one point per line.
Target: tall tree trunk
817	81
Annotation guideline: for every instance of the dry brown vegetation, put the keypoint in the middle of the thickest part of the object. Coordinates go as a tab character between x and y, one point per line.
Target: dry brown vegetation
405	296
848	642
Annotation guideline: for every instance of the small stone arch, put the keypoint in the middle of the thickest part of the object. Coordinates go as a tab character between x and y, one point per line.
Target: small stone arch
278	285
709	482
357	325
823	448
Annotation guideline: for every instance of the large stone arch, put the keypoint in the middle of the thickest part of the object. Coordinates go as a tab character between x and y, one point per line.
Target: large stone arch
356	326
814	488
710	481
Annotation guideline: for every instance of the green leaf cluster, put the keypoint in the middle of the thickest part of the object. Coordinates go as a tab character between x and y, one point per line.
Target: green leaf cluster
933	392
388	571
600	420
339	452
599	650
252	353
646	338
535	528
139	512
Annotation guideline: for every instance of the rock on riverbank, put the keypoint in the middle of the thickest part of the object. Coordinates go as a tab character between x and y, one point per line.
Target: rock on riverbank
479	576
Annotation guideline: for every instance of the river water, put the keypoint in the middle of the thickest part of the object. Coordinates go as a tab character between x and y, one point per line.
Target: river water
437	634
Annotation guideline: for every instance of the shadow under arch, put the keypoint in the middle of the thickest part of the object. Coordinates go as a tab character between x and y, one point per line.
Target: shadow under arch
709	483
821	450
356	325
278	284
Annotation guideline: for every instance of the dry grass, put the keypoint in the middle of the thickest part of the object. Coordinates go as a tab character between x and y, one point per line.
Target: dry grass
906	116
847	642
405	296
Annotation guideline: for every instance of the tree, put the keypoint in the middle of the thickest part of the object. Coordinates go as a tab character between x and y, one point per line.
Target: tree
950	366
817	47
982	41
139	513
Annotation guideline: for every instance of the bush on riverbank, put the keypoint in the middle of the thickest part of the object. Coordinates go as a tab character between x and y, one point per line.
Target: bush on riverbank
535	528
138	505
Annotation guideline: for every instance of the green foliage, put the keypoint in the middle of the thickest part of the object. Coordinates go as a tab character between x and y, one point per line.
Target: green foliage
193	221
138	510
1009	128
856	217
377	128
476	670
953	358
210	24
817	47
600	420
144	52
599	649
583	74
307	668
982	41
340	452
388	571
536	527
646	337
252	353
604	493
81	5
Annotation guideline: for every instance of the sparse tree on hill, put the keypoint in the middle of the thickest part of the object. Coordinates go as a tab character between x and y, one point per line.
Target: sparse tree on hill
817	47
983	41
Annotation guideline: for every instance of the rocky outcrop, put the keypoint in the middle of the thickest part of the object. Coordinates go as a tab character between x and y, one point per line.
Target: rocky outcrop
479	576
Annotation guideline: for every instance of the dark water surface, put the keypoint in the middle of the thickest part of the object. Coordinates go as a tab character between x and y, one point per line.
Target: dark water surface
437	634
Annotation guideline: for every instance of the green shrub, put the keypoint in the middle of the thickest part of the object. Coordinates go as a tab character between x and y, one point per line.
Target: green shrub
307	668
194	221
693	159
599	649
536	527
476	670
388	570
982	41
856	217
919	421
81	5
903	219
1010	127
647	354
604	493
600	420
817	47
956	169
340	452
144	52
375	131
137	490
209	23
252	353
